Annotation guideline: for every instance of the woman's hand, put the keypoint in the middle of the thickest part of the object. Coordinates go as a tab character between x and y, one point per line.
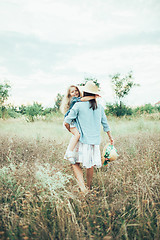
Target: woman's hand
111	141
67	126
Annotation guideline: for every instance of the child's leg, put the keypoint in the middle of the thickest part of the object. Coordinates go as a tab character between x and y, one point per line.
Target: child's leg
74	140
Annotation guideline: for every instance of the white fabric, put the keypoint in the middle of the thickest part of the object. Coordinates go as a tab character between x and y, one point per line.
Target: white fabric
72	125
86	154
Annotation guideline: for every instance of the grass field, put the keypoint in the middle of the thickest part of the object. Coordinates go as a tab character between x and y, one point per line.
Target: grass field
39	196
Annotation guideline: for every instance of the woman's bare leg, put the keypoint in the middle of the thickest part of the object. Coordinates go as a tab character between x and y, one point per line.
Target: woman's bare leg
79	176
75	138
89	177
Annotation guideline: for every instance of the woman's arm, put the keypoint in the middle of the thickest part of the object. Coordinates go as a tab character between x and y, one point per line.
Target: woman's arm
110	137
106	127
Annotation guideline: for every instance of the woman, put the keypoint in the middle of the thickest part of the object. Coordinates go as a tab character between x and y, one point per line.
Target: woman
89	116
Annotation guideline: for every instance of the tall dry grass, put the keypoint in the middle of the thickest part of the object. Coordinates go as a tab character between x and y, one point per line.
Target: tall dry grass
40	199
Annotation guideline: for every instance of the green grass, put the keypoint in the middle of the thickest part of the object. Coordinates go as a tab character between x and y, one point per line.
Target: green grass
127	126
54	129
35	130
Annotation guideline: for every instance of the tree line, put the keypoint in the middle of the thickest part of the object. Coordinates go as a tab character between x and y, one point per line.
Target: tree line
31	112
121	87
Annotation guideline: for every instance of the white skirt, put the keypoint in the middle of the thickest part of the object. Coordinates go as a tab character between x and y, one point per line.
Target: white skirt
86	154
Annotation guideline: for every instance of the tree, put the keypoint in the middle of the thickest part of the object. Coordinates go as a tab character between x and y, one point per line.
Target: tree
58	101
4	94
90	79
122	85
33	111
22	109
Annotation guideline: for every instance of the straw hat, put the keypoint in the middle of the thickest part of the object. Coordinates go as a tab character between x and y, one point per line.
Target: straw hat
90	87
109	154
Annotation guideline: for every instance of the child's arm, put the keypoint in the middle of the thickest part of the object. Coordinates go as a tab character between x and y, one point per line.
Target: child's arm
87	98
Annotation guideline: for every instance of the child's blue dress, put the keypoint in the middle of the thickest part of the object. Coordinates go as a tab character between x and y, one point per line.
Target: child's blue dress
73	101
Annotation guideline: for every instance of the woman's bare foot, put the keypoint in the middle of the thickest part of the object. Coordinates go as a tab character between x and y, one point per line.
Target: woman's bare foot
85	190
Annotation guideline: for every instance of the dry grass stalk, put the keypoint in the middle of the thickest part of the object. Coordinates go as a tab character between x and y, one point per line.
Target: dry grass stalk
39	197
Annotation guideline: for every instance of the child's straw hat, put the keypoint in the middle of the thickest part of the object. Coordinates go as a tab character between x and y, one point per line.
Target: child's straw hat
109	154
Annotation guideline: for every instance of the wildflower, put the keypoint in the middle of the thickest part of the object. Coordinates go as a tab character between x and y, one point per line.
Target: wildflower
145	201
25	227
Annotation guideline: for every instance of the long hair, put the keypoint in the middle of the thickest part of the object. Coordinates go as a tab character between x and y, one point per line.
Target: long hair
93	102
65	105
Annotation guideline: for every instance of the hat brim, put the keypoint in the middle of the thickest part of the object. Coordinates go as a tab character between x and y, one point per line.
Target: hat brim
83	89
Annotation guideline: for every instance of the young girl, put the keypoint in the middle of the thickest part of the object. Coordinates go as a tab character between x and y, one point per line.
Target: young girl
73	95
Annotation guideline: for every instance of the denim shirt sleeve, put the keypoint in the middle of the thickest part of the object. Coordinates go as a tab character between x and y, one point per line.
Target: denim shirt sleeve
104	122
66	114
74	100
72	115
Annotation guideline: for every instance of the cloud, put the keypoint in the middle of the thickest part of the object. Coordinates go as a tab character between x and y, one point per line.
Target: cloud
71	21
46	45
40	87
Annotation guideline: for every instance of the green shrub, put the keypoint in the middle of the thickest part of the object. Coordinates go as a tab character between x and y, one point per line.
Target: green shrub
47	111
33	111
22	109
147	108
158	108
12	112
118	110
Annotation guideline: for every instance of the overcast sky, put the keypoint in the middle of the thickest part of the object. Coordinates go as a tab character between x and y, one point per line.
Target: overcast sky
46	45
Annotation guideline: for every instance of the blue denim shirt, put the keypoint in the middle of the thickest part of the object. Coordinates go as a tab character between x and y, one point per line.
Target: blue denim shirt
88	122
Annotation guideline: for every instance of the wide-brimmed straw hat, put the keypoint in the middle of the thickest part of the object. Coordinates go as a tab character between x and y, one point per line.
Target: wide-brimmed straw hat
109	154
90	87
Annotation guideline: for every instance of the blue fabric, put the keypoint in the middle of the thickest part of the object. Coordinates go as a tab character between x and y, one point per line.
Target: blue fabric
73	101
88	122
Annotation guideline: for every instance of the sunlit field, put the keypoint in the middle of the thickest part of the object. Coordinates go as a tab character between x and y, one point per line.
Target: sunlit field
40	198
